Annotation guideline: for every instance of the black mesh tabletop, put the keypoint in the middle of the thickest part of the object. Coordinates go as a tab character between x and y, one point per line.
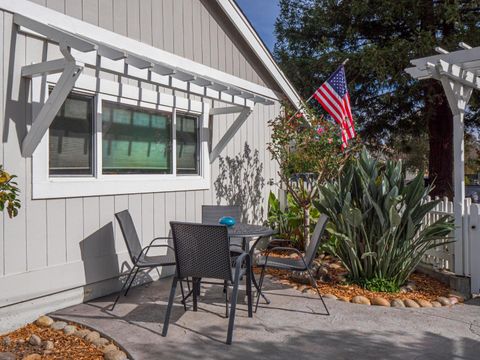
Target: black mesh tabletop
248	230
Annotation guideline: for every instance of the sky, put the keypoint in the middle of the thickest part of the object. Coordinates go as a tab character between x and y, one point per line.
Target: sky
262	14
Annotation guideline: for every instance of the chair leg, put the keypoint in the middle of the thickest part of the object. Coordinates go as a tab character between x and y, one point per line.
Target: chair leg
260	284
314	283
183	296
131	282
233	306
195	293
225	291
169	306
249	287
123	287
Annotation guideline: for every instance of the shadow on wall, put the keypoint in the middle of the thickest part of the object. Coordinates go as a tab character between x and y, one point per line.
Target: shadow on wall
240	182
101	264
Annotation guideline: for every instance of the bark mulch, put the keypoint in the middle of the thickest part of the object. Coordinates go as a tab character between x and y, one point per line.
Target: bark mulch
65	346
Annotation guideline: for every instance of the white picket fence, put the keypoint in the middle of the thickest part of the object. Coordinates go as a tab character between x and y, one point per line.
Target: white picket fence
443	256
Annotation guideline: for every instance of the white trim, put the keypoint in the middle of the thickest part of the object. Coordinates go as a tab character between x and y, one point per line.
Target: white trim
243	26
80	28
44	186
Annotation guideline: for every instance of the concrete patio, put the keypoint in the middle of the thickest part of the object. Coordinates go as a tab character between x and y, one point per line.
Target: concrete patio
291	327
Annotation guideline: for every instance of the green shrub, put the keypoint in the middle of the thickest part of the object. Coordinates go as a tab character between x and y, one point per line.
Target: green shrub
376	218
378	284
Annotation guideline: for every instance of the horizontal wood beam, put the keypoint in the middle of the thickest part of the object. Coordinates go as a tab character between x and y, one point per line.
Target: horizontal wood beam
226	110
47	67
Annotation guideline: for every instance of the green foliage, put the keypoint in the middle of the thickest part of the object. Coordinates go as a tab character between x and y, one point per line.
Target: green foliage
299	146
376	218
380	285
8	193
380	37
289	222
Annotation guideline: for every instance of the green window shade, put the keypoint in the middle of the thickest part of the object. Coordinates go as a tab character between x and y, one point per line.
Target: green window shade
135	141
187	144
71	138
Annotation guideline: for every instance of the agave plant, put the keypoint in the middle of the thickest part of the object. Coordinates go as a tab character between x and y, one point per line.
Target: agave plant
377	219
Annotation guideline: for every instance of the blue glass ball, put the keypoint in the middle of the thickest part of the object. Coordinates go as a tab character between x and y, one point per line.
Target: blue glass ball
227	220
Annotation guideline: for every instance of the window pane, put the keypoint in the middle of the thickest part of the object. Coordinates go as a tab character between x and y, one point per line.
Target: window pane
70	138
187	145
135	141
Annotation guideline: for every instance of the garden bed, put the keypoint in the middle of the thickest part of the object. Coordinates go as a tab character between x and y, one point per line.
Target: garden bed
49	339
421	290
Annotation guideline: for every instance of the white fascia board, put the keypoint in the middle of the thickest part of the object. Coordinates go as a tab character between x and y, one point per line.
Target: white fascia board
75	26
245	29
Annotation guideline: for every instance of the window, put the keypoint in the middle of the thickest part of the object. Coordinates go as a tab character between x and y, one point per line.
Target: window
135	141
187	144
71	138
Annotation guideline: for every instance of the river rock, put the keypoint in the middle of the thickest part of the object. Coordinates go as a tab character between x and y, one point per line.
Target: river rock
453	300
44	321
379	301
100	342
58	325
444	301
69	329
35	340
458	295
48	345
360	300
81	333
411	303
93	335
109	347
424	303
436	304
7	356
115	355
330	296
397	303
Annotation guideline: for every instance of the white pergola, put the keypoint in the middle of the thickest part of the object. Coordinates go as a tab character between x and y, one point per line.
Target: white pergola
459	73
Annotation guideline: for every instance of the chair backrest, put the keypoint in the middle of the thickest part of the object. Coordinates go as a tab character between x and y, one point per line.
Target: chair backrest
312	247
130	234
201	250
212	213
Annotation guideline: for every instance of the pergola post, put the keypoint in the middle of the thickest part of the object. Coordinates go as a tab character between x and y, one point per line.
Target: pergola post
458	96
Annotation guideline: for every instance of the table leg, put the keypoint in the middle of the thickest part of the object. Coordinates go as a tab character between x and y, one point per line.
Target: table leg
254	281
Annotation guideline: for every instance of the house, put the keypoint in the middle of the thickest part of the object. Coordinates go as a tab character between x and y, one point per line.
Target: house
110	105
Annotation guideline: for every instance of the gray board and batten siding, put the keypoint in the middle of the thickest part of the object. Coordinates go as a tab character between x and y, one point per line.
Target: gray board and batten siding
72	248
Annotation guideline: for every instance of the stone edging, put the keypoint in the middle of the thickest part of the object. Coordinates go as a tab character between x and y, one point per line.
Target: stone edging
441	301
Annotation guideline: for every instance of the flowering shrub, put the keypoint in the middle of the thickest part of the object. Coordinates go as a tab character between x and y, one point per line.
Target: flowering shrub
8	193
309	153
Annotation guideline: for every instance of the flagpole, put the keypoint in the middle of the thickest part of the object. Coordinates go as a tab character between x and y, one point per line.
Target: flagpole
311	97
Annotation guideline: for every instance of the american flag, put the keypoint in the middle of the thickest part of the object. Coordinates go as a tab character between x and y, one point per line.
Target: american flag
334	98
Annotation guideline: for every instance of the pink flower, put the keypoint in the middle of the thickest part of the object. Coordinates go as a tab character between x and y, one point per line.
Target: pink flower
330	140
320	130
299	115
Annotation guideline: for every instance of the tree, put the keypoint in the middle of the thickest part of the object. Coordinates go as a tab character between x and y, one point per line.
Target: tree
380	37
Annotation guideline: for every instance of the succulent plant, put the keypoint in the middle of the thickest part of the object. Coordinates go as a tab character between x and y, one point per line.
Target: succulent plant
377	219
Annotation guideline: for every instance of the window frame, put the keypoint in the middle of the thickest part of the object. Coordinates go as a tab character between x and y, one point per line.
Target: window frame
45	186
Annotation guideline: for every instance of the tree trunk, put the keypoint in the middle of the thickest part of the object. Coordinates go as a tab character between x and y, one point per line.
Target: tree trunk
440	130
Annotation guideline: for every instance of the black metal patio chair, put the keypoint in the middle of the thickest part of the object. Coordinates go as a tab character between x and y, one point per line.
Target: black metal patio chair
202	251
138	255
302	263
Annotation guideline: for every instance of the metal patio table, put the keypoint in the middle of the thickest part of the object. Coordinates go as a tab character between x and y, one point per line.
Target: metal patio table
247	232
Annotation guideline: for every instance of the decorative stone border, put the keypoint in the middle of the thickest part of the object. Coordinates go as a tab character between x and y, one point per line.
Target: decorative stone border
441	301
110	350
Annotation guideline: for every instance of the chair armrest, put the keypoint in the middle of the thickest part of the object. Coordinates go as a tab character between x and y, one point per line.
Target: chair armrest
280	241
147	248
285	249
160	238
